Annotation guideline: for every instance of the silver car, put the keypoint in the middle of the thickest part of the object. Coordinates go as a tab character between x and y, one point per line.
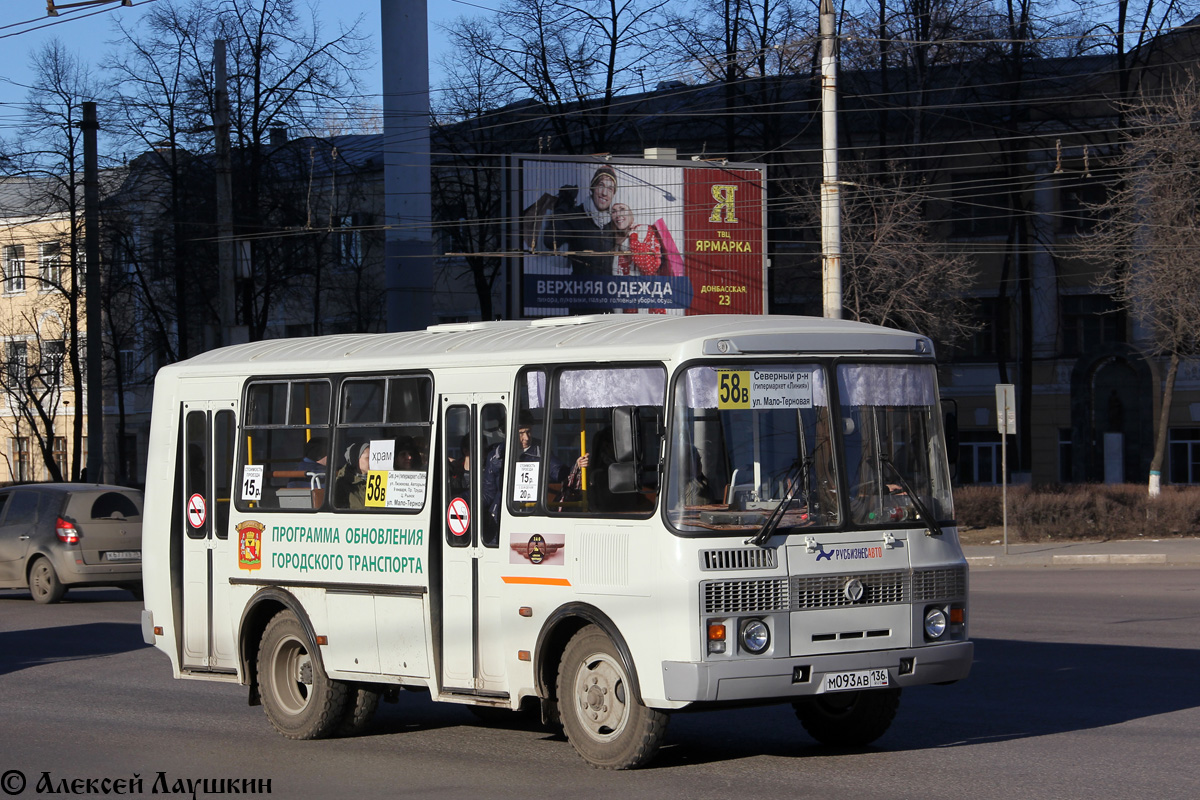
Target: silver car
57	535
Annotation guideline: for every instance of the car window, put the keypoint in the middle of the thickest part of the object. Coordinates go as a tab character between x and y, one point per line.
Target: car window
114	505
3	502
22	508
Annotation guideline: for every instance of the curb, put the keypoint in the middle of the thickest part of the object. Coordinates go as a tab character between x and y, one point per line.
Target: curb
1122	559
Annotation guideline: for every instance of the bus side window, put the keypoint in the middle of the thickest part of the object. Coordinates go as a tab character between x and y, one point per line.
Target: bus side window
281	418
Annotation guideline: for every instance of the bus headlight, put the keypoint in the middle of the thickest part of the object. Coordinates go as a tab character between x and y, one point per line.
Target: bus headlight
935	622
755	636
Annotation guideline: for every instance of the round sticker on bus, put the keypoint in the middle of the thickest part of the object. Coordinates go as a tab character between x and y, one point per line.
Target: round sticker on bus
458	516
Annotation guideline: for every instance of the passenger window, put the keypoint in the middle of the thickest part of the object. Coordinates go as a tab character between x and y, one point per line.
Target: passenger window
114	505
22	509
381	444
604	443
284	464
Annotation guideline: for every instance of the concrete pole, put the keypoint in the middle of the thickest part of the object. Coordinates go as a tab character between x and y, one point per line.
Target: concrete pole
408	244
226	259
95	339
831	223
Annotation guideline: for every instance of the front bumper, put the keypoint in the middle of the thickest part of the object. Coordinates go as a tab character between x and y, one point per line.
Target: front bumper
770	678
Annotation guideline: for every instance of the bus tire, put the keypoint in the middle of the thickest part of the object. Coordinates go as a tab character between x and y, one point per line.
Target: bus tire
848	719
300	700
361	704
603	719
44	584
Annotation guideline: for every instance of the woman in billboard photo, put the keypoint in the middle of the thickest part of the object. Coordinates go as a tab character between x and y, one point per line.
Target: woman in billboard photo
642	249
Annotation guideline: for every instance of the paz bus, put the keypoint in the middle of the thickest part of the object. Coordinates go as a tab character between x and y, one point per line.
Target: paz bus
607	518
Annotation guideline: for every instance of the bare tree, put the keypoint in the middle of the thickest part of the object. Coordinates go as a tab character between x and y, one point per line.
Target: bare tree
1148	230
285	76
561	54
49	155
894	272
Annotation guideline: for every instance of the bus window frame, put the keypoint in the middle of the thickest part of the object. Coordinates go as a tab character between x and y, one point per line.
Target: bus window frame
830	364
553	373
335	380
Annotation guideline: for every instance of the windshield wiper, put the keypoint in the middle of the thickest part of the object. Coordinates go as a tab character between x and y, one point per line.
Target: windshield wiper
934	528
776	515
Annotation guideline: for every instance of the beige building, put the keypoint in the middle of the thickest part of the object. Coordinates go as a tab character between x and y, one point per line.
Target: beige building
40	392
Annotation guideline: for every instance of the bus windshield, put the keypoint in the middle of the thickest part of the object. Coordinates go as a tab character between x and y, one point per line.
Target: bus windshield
749	438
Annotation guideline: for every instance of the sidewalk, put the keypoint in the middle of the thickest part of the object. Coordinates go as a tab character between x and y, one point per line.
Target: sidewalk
1125	553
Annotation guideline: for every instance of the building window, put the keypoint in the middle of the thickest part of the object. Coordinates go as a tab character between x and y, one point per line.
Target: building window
54	352
980	204
128	363
1183	445
349	243
1066	454
1077	202
14	269
50	265
20	458
60	455
17	361
979	458
1089	320
991	326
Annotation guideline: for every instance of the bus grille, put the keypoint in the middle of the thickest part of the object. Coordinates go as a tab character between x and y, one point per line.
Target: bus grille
829	591
811	592
738	558
739	597
939	584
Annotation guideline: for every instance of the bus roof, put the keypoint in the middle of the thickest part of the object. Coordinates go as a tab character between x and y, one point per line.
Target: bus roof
562	339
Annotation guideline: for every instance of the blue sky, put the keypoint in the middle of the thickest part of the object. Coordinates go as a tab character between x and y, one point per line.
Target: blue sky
24	27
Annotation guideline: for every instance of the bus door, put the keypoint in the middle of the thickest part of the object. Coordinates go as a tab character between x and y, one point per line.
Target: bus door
206	453
473	445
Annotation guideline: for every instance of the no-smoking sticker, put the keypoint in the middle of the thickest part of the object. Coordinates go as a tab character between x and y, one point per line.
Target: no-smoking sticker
197	512
458	516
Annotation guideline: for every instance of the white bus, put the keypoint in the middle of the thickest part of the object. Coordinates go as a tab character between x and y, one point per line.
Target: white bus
610	517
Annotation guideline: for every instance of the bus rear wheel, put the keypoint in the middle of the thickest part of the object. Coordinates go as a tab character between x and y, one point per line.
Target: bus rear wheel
848	719
361	703
603	719
300	700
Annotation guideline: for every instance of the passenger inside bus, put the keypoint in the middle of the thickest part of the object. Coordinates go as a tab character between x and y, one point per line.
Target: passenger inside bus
350	485
316	455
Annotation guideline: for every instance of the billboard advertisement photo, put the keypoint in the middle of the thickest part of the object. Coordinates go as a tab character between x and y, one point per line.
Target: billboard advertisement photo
639	236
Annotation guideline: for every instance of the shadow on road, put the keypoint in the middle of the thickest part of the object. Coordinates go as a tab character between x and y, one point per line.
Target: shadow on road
30	648
1016	690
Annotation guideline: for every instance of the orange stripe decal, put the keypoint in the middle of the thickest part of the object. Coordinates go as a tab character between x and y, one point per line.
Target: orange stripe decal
537	581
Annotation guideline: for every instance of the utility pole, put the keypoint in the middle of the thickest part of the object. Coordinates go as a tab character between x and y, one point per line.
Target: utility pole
831	201
91	249
226	258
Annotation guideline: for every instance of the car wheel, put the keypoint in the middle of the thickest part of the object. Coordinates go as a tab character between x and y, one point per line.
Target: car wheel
44	584
604	720
361	704
848	719
300	700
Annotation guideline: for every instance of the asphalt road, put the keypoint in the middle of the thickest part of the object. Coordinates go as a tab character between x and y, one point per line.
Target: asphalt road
1085	686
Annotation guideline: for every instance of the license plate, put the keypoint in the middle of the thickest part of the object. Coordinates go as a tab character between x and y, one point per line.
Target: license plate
123	555
847	681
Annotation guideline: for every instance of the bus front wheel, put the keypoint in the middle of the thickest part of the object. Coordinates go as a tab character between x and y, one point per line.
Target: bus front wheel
300	700
603	719
848	719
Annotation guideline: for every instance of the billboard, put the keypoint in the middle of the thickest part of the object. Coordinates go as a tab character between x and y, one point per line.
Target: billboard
639	236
